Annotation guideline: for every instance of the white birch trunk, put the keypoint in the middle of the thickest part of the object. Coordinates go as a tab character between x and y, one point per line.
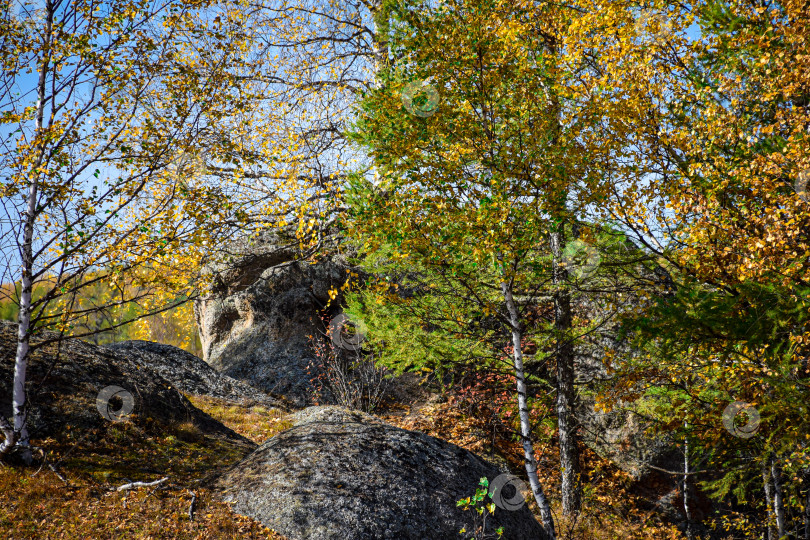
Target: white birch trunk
768	486
687	508
523	412
778	499
9	437
380	13
19	398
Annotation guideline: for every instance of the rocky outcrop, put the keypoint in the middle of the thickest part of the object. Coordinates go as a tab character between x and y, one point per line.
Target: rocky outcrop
84	388
255	323
339	474
621	435
191	375
256	320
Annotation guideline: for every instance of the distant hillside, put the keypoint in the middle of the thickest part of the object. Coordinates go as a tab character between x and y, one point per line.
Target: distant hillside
174	327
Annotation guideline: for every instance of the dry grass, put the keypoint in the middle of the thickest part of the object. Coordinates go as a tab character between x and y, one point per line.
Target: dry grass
255	422
41	506
37	504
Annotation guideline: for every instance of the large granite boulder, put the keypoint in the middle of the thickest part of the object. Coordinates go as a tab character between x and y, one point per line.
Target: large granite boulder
265	302
340	474
191	375
88	388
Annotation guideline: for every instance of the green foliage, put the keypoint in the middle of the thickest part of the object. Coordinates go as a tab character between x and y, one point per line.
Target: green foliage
9	298
416	319
481	511
102	308
705	348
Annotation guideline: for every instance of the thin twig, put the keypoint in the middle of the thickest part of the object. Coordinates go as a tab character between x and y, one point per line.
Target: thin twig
57	473
193	506
136	485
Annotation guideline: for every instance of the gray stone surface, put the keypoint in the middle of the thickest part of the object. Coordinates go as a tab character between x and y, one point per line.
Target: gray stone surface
65	380
340	474
256	321
191	375
254	326
619	435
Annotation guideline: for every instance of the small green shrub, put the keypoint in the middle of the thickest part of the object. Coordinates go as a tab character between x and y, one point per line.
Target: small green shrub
481	511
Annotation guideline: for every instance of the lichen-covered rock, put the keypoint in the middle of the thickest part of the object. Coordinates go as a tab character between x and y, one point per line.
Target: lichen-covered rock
256	320
191	375
340	474
67	382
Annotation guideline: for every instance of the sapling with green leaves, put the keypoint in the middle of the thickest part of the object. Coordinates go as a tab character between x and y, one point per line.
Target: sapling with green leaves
481	512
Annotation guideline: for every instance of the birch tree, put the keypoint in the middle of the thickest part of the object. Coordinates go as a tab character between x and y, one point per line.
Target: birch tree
105	109
314	60
486	135
722	139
